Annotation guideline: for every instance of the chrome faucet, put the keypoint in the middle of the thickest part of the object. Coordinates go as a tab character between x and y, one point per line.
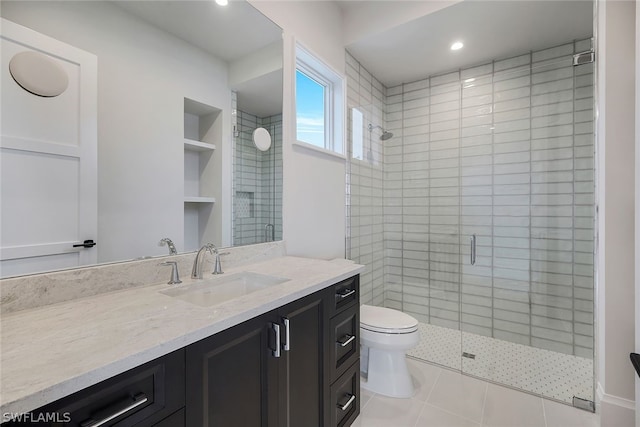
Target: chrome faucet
217	266
196	271
167	241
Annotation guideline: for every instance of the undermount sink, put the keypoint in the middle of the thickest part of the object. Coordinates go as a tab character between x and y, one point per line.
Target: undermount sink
216	290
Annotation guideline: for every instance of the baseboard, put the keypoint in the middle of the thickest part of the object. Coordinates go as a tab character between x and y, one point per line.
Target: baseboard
614	411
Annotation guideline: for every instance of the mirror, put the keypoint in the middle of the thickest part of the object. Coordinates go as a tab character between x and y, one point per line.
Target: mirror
178	85
262	139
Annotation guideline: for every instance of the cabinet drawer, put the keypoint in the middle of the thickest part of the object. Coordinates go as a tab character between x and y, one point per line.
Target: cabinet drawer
346	294
174	420
142	396
345	341
345	397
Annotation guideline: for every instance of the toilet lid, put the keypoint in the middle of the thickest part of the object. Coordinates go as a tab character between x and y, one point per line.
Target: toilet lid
381	319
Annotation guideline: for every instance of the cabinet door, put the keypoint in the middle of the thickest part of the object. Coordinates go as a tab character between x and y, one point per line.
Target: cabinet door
304	362
232	377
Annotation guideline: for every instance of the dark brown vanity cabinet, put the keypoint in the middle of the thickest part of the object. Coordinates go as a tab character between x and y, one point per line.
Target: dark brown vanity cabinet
291	367
295	366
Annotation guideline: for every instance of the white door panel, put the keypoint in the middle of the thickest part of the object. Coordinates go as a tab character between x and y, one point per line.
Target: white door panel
29	116
48	161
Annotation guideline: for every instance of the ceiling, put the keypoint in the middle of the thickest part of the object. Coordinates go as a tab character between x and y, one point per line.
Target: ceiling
489	30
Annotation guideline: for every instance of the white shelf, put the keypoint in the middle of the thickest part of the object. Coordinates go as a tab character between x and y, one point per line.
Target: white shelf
199	199
192	145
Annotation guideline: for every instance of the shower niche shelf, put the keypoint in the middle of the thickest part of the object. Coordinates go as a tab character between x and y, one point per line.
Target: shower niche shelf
202	130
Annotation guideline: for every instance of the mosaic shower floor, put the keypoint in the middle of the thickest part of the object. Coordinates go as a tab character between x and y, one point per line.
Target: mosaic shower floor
550	374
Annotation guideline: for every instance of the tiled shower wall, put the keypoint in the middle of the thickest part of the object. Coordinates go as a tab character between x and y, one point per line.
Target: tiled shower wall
503	151
257	193
365	243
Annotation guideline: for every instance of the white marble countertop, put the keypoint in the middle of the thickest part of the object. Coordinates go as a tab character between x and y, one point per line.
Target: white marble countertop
52	351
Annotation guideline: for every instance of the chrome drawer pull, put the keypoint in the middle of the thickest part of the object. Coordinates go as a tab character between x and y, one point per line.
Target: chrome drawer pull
287	335
349	402
139	399
345	340
276	328
347	294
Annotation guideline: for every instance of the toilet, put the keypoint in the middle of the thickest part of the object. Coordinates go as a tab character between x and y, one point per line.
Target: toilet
385	337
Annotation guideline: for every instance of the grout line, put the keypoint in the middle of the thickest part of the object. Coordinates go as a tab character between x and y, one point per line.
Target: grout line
433	386
424	405
368	400
484	403
544	412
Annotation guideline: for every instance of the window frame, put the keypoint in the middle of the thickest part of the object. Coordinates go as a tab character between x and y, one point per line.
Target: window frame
333	83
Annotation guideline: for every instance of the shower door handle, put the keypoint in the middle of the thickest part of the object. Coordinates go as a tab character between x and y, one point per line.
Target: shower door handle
269	232
472	241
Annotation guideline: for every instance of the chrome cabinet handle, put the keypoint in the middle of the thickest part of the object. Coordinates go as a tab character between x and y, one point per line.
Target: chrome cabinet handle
139	399
349	402
287	336
473	249
346	294
346	340
276	329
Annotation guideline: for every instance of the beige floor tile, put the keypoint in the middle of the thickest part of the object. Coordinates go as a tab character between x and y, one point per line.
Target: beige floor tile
436	417
559	415
510	408
383	411
459	394
365	396
424	377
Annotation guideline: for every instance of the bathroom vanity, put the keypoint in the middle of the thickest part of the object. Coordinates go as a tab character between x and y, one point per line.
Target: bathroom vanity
286	355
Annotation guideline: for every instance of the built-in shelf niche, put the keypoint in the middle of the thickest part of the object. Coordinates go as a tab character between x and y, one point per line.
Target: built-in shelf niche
202	130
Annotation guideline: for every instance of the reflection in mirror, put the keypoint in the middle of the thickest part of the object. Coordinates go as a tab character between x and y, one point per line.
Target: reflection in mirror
257	178
157	125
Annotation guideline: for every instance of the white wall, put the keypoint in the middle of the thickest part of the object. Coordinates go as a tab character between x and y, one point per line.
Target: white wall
615	140
143	76
313	183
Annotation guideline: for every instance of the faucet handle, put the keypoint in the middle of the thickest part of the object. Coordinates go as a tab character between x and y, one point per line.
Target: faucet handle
175	278
217	266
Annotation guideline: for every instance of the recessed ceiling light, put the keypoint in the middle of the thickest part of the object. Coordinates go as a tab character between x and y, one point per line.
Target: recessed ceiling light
222	2
457	46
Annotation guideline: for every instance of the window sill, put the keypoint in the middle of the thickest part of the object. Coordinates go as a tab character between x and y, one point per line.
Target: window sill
324	151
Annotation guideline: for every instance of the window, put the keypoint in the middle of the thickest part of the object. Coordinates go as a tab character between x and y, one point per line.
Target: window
319	103
357	134
310	110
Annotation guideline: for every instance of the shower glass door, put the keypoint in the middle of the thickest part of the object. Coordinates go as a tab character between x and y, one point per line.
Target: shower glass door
487	207
527	223
441	331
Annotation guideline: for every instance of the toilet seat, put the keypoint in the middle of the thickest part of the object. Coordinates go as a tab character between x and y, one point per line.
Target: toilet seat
387	321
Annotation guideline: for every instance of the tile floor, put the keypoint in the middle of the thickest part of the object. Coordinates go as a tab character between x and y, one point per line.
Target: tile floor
548	373
446	398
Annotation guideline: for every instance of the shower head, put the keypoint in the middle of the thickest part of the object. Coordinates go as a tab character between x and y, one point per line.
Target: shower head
385	134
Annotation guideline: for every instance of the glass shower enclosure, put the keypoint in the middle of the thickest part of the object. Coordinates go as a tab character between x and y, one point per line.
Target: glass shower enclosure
486	235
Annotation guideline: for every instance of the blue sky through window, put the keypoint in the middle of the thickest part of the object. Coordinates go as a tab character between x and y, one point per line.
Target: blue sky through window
309	110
